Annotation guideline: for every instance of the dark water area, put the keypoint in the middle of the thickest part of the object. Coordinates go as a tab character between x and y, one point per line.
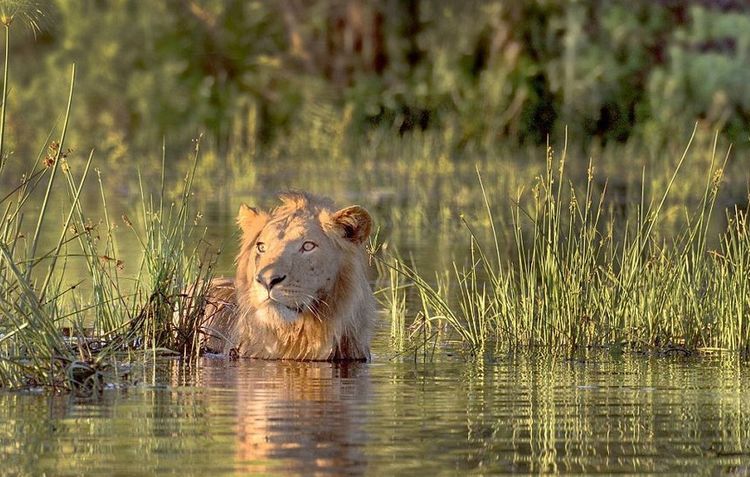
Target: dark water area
519	414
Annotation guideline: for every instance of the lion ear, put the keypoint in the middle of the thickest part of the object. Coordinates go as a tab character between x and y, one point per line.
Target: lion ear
354	223
251	222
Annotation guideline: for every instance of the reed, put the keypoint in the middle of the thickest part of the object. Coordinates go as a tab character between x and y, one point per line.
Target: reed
584	278
65	332
65	336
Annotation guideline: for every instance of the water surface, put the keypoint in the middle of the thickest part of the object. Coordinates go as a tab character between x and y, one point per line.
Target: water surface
519	414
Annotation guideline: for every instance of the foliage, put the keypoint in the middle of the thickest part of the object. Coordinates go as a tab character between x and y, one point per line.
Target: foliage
485	71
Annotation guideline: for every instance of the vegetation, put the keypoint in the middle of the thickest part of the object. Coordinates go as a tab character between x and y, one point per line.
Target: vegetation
62	334
65	335
581	279
252	74
620	252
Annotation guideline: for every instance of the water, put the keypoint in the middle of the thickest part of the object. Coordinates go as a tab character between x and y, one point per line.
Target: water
521	414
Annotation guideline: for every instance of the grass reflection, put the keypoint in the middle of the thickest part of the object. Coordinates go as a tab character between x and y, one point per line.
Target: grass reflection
526	413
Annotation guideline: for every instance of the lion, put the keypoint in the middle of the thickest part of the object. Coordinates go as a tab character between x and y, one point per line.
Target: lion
301	290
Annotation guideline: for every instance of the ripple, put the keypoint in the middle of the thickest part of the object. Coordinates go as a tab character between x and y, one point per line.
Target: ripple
523	414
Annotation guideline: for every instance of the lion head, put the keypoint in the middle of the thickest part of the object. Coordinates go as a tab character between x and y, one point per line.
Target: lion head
301	285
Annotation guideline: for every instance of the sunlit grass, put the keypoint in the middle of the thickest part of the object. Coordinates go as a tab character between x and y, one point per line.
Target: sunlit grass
54	333
63	332
582	278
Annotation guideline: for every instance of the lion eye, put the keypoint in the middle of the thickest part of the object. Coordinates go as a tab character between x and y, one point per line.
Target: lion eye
261	247
308	246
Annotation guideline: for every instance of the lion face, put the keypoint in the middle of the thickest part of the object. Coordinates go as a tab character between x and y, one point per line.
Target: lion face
292	258
294	267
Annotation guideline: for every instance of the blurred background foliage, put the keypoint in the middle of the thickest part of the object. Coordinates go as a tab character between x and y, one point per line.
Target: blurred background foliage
271	74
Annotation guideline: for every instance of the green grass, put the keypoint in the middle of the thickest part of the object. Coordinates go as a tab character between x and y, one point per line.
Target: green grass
62	331
583	277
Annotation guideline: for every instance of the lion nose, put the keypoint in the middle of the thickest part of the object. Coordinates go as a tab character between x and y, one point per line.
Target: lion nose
269	280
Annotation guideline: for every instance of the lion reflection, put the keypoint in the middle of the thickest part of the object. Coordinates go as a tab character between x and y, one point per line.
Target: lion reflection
297	417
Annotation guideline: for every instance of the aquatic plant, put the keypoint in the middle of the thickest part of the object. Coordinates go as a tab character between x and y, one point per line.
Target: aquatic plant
582	278
62	331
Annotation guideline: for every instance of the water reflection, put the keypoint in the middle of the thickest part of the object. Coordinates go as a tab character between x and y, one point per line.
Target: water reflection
297	417
521	414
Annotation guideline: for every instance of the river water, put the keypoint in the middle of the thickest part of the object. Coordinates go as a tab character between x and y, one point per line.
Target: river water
520	414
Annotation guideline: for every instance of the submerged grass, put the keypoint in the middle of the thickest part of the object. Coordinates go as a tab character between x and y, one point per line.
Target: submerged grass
584	278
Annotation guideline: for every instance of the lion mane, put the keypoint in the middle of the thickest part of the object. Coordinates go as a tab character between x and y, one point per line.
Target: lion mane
301	290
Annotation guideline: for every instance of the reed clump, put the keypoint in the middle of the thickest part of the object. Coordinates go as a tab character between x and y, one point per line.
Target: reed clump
62	331
582	277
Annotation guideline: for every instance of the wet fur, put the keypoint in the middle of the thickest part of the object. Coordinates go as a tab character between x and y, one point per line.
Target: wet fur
336	327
